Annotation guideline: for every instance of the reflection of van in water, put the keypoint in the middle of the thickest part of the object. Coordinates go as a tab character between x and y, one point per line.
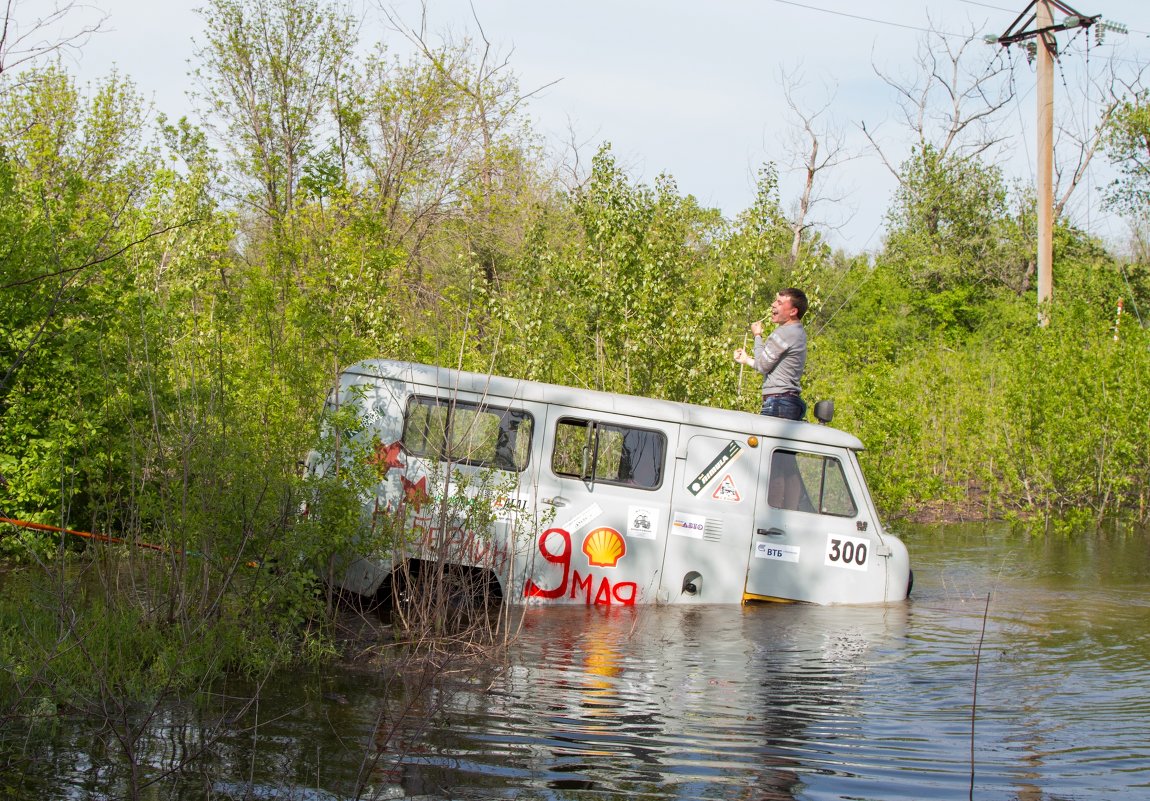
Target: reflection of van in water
614	499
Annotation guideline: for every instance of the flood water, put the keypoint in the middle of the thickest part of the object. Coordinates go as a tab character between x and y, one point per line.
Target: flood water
1019	669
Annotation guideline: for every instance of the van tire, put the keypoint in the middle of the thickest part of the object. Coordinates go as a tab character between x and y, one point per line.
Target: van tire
457	588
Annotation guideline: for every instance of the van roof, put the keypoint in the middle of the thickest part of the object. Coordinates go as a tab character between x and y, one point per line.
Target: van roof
596	400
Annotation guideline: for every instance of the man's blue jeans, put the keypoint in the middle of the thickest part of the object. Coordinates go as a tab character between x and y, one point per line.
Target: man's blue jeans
791	407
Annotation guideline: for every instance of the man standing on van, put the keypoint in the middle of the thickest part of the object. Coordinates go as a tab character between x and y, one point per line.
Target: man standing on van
782	356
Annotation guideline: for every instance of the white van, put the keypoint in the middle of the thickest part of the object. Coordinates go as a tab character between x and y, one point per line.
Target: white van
601	498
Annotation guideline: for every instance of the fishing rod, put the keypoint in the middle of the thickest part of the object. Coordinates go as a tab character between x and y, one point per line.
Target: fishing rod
739	390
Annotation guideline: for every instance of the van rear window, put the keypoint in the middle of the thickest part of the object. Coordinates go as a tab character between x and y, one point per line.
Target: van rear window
467	433
609	453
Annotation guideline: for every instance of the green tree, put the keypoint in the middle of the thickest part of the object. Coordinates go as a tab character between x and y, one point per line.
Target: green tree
78	175
952	238
753	250
638	289
268	68
441	154
624	295
1127	144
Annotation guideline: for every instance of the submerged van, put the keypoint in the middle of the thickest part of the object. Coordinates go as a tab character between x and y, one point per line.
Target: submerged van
600	498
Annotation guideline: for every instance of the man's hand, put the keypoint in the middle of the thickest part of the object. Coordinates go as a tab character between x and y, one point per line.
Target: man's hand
757	328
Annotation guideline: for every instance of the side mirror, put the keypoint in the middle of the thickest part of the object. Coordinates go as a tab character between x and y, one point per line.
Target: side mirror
825	411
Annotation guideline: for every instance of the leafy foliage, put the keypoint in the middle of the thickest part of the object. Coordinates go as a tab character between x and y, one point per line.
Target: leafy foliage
1127	143
953	238
266	69
170	318
78	178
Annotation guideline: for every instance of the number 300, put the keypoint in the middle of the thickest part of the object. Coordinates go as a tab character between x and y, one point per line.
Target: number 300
847	552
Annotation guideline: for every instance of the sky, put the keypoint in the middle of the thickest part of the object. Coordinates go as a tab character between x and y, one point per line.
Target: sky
694	90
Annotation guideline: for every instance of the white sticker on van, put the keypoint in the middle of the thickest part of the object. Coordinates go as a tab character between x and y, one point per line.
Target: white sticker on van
725	457
849	552
686	525
506	508
642	522
783	553
583	518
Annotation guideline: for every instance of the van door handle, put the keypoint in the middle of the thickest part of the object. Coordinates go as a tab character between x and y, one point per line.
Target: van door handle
770	532
558	500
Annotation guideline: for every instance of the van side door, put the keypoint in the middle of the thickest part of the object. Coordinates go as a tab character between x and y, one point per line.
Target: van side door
605	481
712	516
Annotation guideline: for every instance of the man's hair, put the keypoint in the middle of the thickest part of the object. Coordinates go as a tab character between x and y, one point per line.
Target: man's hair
798	299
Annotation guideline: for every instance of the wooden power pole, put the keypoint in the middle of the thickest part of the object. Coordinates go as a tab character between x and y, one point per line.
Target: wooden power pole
1044	59
1040	15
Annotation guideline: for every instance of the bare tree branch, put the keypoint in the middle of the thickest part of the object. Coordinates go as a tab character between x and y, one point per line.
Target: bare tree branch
1114	89
815	148
100	259
953	101
878	149
476	71
21	42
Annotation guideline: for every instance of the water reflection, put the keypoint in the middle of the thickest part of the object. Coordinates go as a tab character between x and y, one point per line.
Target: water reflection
759	703
704	702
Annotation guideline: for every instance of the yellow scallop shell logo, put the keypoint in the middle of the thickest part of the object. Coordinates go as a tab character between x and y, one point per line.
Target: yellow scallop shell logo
604	547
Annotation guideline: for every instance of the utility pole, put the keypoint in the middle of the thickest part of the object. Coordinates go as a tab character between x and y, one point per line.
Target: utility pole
1040	15
1047	48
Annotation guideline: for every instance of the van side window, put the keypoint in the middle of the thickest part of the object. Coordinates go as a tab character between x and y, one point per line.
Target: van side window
467	433
809	482
609	453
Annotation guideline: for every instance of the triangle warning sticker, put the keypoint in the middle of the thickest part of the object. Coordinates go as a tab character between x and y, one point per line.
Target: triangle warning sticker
726	491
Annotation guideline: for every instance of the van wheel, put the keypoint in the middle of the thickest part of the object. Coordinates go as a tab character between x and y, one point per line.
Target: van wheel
423	589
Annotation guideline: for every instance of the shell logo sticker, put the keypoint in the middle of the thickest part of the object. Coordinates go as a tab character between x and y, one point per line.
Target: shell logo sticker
604	547
727	491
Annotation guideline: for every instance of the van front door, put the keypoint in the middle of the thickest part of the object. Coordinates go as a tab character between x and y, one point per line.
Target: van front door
814	538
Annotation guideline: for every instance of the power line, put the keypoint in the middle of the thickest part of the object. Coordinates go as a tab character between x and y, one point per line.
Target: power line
1011	11
870	19
987	5
903	25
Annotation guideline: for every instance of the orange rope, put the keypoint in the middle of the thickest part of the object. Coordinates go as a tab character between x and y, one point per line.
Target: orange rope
75	533
97	537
